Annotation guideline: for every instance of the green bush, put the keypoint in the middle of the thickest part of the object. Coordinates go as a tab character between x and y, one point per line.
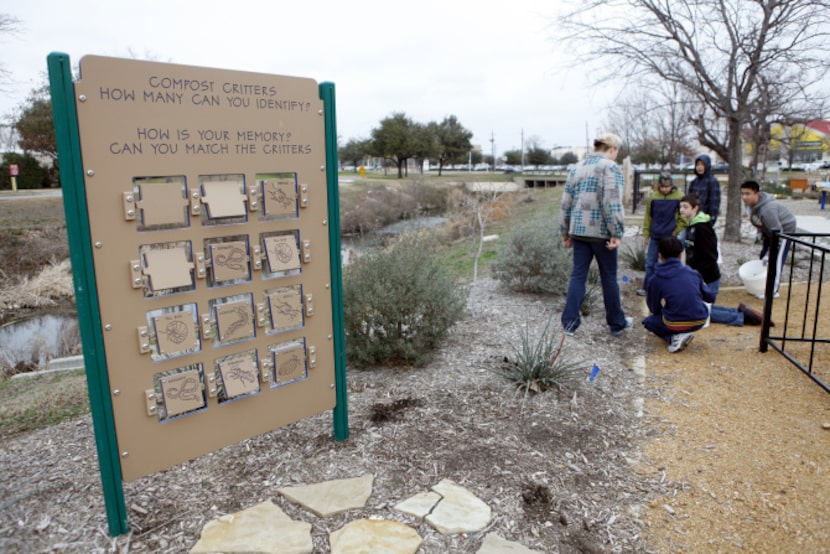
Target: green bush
32	174
533	259
399	303
541	364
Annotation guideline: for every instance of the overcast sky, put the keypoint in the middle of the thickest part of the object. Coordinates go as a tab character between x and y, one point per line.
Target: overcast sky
497	68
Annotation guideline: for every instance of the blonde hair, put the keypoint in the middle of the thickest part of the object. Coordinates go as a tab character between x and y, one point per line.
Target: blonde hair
607	141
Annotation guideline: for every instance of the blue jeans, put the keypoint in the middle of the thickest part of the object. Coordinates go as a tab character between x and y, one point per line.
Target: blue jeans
721	314
654	323
584	252
651	260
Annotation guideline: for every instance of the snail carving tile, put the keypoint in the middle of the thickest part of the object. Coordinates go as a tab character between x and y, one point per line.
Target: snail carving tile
175	332
282	253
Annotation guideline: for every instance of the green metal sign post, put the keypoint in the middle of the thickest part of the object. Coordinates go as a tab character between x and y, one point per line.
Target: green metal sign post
65	117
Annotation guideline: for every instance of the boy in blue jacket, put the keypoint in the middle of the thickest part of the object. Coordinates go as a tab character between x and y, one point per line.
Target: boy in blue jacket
676	296
662	219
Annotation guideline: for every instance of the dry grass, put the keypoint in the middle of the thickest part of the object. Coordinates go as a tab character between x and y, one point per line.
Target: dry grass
31	212
45	289
36	402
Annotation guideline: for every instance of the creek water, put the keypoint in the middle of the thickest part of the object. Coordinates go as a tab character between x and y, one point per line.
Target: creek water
38	339
357	245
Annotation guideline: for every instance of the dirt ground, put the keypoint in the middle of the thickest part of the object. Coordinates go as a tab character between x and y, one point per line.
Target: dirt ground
743	439
718	448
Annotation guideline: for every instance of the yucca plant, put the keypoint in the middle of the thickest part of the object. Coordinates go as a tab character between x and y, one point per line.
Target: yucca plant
539	364
635	256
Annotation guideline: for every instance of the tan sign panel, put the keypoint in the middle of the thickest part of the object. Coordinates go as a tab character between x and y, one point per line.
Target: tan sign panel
208	214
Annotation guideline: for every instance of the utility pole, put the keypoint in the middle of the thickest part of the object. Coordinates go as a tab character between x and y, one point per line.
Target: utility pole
493	147
523	149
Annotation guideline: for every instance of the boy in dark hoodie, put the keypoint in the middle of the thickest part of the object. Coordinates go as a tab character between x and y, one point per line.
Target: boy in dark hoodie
676	297
662	219
706	186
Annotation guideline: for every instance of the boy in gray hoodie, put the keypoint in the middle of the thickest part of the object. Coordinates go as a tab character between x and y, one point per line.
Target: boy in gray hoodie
768	214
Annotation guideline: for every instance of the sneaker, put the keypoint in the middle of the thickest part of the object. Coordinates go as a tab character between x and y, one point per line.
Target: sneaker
641	292
751	316
629	321
680	341
570	333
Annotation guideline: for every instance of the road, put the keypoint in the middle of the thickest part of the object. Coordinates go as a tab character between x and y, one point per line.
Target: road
38	193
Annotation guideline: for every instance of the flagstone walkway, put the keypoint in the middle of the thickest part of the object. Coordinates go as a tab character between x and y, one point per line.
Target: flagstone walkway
447	507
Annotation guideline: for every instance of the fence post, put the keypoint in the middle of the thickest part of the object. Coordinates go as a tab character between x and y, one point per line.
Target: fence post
769	289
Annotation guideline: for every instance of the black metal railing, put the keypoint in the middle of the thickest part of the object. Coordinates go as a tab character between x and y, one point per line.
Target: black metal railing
805	333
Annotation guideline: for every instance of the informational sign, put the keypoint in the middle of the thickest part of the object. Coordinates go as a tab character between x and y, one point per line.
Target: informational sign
208	218
14	170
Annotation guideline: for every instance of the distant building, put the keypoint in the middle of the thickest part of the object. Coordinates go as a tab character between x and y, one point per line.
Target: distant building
580	151
802	143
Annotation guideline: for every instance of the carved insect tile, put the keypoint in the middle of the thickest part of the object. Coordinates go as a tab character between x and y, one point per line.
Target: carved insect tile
238	374
289	364
234	321
182	392
285	305
282	253
229	261
175	333
279	198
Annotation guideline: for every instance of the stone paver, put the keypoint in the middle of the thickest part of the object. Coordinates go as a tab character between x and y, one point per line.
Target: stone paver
420	505
459	511
366	536
263	528
332	497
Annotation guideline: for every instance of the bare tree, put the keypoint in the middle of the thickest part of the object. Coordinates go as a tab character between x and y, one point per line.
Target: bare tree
779	101
714	49
654	123
8	26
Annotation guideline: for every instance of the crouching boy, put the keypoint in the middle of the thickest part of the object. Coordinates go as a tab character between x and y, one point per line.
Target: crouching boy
675	297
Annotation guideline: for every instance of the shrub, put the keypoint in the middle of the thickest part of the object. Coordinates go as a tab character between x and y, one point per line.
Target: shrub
533	259
399	303
541	364
635	255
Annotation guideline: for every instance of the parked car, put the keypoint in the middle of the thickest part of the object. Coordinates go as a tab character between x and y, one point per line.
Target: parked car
721	167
